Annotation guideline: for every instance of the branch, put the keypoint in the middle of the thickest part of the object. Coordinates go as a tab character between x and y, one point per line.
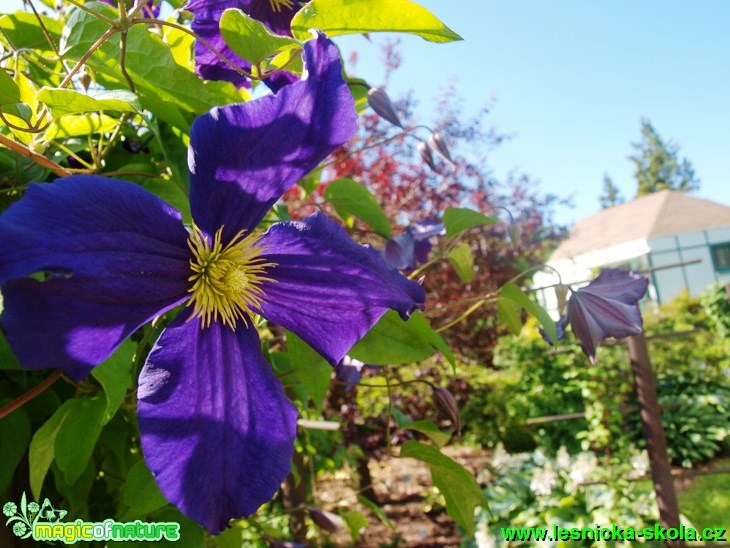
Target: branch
37	158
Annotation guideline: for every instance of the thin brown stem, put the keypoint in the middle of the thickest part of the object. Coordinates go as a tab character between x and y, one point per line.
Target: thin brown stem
99	16
30	394
37	158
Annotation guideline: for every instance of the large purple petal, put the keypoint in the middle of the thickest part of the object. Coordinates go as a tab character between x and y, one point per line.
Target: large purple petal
607	307
329	290
243	157
217	430
279	19
110	255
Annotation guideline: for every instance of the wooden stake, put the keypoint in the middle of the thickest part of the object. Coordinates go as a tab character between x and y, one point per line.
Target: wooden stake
656	443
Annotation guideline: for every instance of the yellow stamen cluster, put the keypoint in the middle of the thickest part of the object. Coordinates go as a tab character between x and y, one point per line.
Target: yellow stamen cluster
226	279
277	5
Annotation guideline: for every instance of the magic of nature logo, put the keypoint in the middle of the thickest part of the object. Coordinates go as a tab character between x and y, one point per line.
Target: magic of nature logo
44	522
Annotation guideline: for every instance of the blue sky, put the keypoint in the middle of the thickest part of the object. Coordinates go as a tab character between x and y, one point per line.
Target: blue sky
572	80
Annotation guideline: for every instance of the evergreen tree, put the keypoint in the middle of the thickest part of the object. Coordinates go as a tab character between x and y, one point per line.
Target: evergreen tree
657	165
611	195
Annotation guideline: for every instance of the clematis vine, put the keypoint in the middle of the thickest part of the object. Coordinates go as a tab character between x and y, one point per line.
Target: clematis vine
217	430
275	14
606	307
149	10
412	247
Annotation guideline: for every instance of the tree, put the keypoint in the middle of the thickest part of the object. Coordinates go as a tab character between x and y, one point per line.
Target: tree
657	164
611	195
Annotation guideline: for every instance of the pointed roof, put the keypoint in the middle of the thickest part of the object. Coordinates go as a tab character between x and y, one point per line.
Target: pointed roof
661	213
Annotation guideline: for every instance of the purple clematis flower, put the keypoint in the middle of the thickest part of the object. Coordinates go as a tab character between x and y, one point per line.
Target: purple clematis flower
411	248
217	430
606	307
275	14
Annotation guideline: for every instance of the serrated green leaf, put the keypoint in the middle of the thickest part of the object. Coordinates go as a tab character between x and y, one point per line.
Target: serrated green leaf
377	510
63	102
42	448
462	260
77	436
336	17
141	493
513	292
250	39
431	431
459	219
9	91
392	341
352	199
115	376
459	488
312	369
14	438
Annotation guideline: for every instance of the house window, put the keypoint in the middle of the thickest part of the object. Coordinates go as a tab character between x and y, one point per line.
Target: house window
721	257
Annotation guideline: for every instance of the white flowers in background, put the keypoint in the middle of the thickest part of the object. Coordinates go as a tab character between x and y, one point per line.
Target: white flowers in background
583	466
501	459
483	538
562	459
544	480
639	465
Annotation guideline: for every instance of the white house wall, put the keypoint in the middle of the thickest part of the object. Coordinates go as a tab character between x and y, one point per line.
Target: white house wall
682	248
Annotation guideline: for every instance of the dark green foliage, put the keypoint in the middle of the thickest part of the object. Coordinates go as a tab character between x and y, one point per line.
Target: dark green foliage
611	195
657	165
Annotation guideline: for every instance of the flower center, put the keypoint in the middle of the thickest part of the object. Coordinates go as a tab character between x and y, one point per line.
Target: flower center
226	279
277	5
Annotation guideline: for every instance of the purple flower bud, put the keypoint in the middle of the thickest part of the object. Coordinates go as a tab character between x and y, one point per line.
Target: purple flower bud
607	307
326	520
559	331
349	370
425	151
383	106
399	252
437	143
446	403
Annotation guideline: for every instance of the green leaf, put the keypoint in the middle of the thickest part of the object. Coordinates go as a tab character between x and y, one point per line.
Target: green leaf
7	358
459	488
459	219
462	260
352	199
63	102
251	39
392	341
141	493
509	313
168	191
42	447
377	510
400	419
9	90
356	522
14	437
115	376
81	125
163	86
311	368
77	494
22	30
512	292
336	17
431	431
77	436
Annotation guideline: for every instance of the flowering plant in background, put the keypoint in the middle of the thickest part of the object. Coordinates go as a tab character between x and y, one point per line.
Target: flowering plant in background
412	247
115	256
